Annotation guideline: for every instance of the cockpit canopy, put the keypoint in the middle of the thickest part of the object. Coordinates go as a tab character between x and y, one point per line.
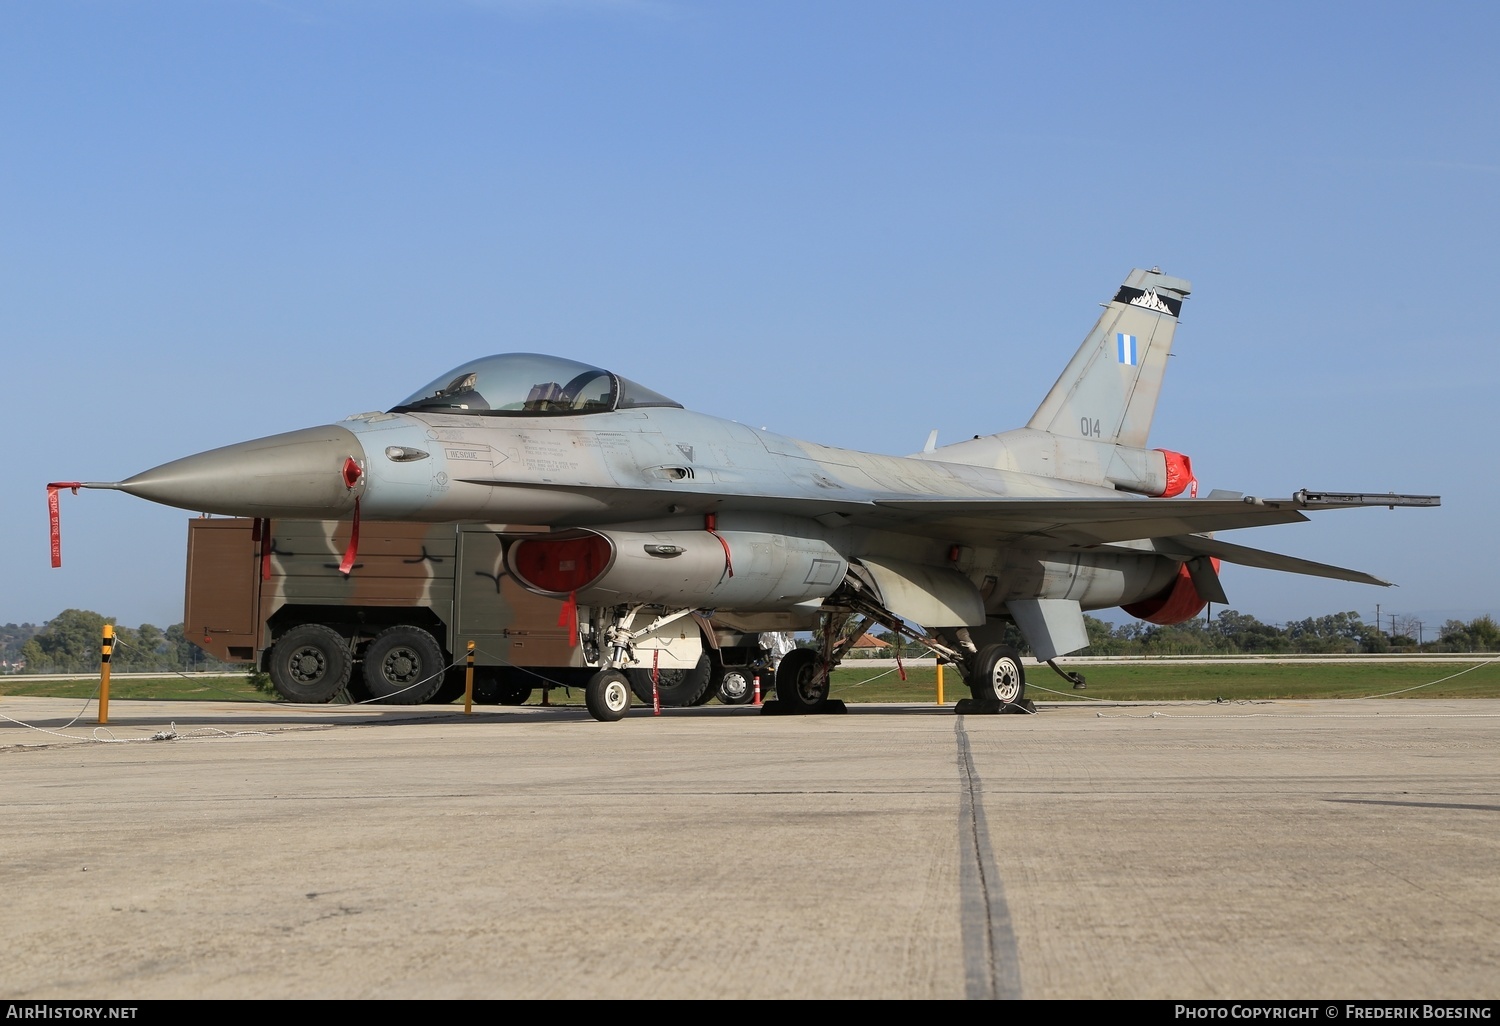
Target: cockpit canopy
529	385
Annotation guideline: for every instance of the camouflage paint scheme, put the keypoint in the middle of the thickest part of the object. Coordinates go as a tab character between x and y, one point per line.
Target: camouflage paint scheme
448	579
658	513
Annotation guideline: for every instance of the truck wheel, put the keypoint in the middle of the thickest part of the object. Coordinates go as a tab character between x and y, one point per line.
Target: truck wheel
486	685
607	695
736	687
452	687
712	690
674	687
513	690
310	663
404	666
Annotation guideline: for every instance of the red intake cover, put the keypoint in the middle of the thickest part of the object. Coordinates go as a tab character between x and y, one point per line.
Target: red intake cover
1178	602
1179	474
561	565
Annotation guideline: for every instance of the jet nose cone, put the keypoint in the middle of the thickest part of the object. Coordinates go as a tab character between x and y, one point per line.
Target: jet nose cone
314	473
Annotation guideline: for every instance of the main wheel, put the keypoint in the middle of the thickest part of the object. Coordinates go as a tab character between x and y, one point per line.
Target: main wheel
310	663
607	695
998	675
802	680
404	666
675	687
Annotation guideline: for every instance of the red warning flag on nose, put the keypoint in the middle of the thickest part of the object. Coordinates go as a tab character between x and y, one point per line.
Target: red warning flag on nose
54	516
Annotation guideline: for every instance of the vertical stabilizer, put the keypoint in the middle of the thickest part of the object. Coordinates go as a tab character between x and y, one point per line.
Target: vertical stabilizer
1108	391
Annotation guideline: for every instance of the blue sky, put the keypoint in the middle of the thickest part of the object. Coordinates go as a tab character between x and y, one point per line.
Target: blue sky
851	222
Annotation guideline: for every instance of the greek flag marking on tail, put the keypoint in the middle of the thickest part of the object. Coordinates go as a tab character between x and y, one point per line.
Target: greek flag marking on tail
1125	346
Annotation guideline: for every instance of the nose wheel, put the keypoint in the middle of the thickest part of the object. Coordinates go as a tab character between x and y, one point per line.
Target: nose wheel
607	695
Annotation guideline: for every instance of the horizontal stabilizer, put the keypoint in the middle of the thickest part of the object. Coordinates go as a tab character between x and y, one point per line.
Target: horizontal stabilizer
1241	555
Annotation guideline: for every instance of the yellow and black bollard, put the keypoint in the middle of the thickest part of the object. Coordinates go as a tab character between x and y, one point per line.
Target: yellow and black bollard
469	682
940	680
106	649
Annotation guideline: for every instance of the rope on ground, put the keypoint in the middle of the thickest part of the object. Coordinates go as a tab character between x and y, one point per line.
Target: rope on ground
1073	696
103	735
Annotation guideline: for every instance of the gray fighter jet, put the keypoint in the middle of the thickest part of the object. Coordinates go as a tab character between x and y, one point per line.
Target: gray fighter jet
658	515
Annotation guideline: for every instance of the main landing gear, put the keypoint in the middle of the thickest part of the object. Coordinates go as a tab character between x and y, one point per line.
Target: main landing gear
997	681
996	678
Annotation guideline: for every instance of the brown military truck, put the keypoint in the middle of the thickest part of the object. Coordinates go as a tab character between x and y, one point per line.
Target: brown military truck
396	628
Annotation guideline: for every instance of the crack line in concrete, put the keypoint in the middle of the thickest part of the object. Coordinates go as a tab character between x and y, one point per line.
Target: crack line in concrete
991	961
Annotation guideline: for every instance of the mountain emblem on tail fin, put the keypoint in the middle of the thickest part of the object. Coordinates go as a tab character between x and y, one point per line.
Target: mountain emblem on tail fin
1151	301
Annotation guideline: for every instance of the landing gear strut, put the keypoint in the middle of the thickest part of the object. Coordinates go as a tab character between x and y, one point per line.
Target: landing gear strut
610	638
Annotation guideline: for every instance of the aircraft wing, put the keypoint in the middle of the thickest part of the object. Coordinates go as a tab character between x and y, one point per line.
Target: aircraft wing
1077	521
1083	521
1090	521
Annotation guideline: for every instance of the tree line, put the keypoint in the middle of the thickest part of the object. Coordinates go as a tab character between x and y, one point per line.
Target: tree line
1230	632
70	643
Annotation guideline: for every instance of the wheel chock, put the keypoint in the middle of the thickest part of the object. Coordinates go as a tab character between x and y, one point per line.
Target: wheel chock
772	707
993	707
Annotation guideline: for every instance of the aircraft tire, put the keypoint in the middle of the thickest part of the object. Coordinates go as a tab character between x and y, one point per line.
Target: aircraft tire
404	666
998	676
802	681
607	695
675	687
310	663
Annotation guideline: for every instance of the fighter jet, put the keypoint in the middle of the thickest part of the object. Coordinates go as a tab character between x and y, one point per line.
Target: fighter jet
659	516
